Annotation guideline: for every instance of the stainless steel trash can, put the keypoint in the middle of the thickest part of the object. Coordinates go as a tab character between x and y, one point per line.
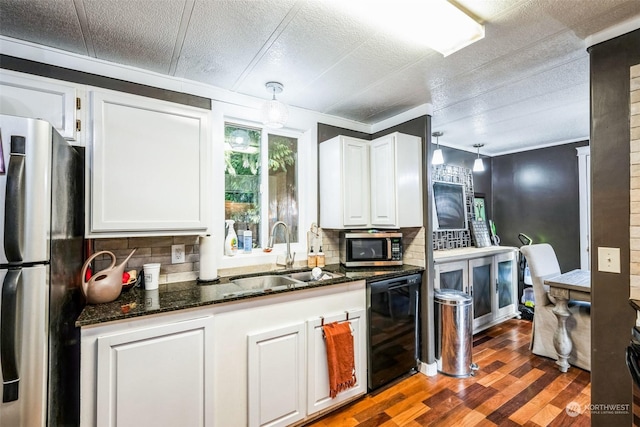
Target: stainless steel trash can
454	336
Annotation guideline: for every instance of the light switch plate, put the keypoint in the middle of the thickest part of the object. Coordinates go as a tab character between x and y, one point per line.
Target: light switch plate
177	254
609	260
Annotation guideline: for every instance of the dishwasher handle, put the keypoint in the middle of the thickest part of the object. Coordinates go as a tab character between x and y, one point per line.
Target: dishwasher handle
400	282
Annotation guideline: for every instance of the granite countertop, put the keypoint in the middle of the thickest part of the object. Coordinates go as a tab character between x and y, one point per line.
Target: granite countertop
635	304
137	302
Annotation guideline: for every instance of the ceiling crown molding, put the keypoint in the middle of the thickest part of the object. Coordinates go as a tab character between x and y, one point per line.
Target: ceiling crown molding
613	32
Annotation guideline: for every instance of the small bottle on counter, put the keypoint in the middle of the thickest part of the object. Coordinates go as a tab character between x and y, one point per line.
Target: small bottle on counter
311	259
247	238
320	258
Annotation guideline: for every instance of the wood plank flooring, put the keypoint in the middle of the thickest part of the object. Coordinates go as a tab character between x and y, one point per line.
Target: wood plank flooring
512	387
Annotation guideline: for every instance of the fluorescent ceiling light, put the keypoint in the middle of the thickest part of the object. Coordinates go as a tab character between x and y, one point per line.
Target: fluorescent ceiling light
437	24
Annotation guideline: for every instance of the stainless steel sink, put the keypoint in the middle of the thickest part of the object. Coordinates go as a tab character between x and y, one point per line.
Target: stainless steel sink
305	276
269	282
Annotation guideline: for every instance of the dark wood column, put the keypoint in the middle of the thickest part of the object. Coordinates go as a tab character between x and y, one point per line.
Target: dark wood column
611	316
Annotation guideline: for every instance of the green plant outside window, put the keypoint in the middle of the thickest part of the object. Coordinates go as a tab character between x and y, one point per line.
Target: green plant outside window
243	177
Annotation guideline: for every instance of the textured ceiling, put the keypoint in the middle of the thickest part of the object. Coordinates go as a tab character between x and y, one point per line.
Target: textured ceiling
525	85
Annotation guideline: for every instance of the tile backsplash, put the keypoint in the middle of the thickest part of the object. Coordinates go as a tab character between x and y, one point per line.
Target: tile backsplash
413	240
152	249
158	249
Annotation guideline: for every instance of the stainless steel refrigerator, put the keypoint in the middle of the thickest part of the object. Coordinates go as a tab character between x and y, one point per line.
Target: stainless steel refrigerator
42	228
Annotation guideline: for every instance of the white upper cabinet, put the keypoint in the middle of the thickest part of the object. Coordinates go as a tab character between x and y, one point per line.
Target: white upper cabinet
383	182
148	166
407	179
371	184
36	97
344	183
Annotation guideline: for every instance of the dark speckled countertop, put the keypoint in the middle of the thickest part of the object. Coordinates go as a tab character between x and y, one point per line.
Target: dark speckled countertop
137	302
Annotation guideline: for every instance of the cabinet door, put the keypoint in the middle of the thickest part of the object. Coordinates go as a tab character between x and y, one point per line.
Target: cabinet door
355	171
452	275
148	166
482	290
277	376
408	180
506	284
383	182
39	98
157	376
317	373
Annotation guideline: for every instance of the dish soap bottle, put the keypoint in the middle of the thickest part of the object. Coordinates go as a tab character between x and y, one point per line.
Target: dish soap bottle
311	259
231	242
247	240
320	258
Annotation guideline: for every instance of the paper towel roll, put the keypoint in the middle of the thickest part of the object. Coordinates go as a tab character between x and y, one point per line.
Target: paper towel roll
208	267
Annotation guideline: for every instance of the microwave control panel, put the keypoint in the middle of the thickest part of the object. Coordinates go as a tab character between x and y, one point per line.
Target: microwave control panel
396	249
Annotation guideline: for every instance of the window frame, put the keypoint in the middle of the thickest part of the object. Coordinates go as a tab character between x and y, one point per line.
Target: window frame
304	183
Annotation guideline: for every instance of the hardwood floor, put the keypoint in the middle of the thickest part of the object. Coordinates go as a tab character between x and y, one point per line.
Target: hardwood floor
512	387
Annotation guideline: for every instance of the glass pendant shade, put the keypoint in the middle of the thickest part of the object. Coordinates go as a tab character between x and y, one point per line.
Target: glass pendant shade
274	112
437	158
478	166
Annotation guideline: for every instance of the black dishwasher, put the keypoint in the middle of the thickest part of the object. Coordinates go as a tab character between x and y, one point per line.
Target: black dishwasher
393	328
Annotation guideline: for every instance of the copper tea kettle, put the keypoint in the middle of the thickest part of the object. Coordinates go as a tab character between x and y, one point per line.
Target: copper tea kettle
105	285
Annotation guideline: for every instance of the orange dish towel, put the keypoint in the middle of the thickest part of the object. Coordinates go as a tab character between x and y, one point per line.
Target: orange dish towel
340	357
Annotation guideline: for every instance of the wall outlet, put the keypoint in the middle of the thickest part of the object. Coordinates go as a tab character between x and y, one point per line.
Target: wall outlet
609	260
177	254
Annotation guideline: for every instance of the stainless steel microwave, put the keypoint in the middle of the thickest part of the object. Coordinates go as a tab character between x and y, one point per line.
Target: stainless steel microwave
370	248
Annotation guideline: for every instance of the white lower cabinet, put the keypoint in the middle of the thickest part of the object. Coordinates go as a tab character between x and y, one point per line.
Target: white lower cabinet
276	376
490	276
318	398
482	291
149	376
253	362
452	275
279	378
272	369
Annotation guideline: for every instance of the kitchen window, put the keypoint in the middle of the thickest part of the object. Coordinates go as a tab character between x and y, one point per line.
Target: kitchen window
256	197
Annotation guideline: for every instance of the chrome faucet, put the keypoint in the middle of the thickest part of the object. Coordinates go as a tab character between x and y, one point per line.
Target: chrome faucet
287	236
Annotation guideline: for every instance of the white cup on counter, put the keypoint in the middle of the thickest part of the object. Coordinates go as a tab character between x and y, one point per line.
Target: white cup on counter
151	275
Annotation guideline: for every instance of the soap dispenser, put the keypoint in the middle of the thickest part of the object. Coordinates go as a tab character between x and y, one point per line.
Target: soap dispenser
247	238
231	242
320	261
311	259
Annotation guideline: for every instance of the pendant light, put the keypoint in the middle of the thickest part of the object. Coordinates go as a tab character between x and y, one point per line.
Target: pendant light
274	112
437	158
478	166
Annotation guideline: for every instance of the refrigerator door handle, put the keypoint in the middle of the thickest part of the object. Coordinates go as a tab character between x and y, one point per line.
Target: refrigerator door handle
14	203
8	347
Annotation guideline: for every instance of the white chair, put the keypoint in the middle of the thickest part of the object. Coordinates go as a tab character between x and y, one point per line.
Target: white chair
543	264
